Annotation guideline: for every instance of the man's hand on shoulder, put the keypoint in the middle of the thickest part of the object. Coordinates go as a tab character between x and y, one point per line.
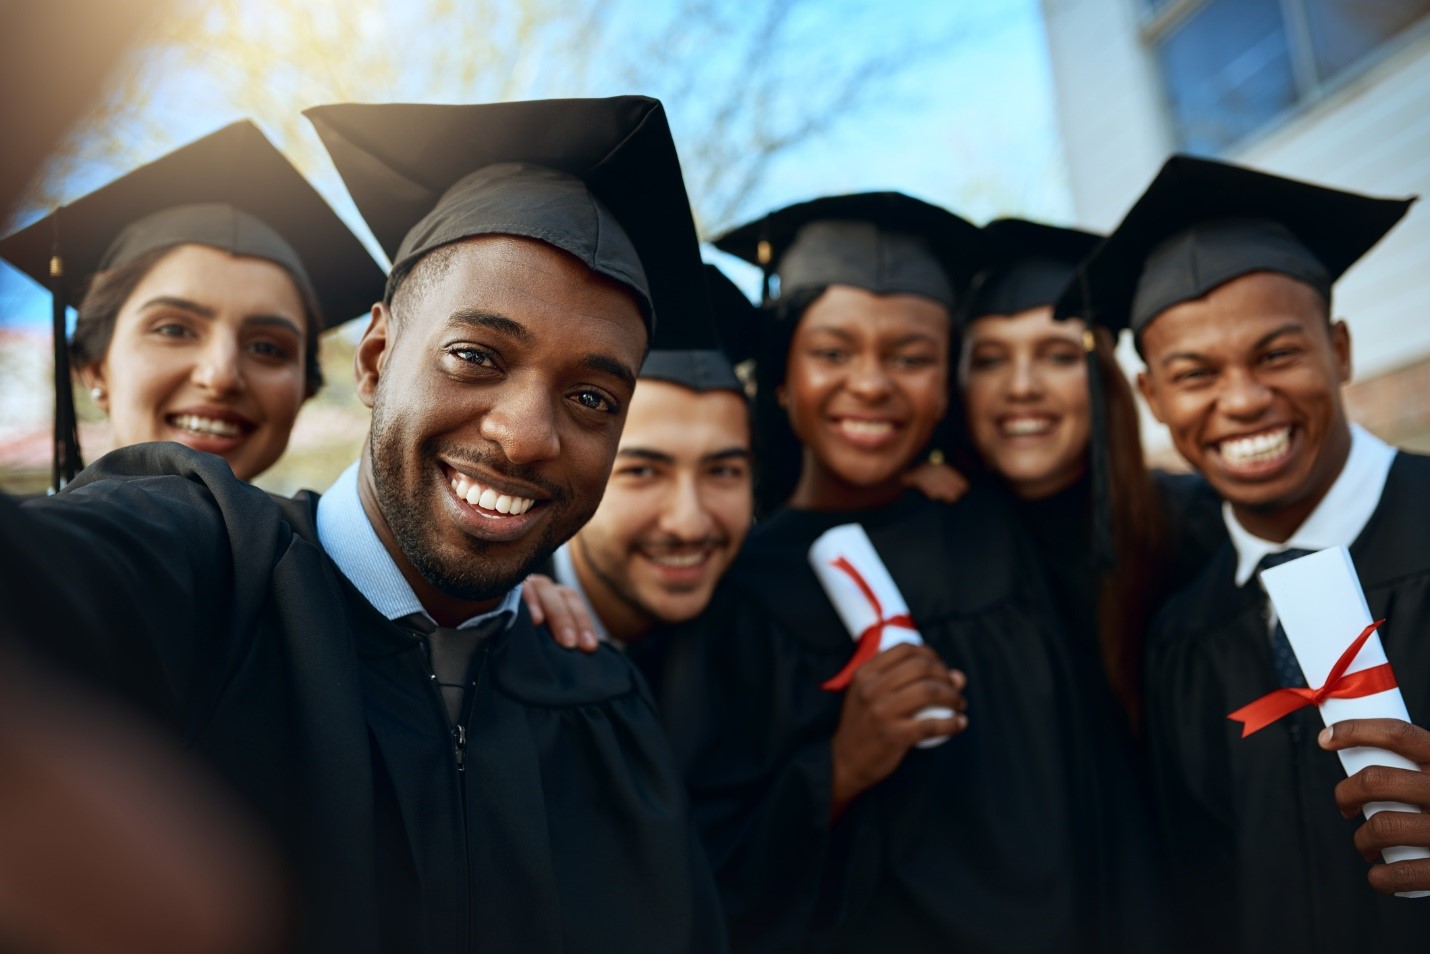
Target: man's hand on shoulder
1387	829
563	610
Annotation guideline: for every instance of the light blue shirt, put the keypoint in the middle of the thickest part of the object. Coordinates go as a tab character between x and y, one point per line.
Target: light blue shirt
347	535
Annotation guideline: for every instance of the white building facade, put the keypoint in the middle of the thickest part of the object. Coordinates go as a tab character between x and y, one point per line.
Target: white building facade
1331	91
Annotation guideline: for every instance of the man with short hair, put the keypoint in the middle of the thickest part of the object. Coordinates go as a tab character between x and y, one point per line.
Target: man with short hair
1224	275
357	666
676	508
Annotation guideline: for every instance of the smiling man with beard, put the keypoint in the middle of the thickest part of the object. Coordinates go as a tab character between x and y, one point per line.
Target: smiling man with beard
1224	275
357	666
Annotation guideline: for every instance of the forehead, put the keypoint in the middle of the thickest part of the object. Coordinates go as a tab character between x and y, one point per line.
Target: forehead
1235	315
674	420
526	279
1031	325
220	281
863	313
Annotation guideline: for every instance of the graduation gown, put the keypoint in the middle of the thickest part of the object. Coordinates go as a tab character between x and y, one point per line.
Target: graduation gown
212	606
1262	859
998	840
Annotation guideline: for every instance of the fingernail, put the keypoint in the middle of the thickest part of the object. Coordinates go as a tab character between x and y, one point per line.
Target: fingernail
568	638
1326	734
588	637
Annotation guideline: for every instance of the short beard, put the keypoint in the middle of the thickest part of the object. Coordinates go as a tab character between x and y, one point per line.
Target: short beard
476	579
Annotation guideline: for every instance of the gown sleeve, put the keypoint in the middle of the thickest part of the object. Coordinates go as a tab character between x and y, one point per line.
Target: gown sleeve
133	576
1186	711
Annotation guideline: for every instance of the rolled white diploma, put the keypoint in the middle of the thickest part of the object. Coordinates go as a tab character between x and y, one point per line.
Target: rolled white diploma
1319	600
858	613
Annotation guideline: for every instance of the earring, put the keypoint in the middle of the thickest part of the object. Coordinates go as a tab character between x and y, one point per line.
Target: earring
96	394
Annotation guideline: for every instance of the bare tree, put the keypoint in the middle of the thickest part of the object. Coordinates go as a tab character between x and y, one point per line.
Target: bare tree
744	83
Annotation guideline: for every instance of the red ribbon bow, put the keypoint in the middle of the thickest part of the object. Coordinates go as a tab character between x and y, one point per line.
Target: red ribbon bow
868	645
1259	714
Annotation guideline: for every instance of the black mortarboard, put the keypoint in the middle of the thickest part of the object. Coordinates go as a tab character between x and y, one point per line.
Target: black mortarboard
883	242
1023	265
231	190
1203	223
596	178
707	368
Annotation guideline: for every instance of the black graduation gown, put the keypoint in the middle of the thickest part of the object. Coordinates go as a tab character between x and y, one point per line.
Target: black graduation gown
212	605
995	841
1262	859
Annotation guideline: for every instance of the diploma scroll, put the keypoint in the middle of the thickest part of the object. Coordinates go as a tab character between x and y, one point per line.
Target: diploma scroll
868	602
1320	604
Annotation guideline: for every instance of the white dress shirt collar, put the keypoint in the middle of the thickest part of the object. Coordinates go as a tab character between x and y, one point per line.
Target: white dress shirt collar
348	537
1337	520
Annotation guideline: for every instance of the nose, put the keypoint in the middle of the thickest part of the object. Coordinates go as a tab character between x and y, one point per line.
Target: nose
868	379
1025	383
1244	396
218	369
683	514
522	421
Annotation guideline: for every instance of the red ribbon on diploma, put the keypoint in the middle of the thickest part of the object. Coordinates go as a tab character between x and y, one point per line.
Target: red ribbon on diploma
1272	706
868	646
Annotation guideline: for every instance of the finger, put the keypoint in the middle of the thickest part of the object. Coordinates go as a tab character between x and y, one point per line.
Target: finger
582	620
1400	876
532	600
918	730
1380	783
1406	739
913	668
554	609
958	678
917	696
1387	829
889	659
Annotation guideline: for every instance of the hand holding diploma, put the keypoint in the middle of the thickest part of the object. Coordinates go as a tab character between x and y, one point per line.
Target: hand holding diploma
1387	830
898	693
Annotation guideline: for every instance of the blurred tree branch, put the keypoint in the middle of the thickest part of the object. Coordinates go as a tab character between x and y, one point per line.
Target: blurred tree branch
743	82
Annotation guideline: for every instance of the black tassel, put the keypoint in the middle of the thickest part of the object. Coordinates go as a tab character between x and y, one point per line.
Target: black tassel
65	463
1104	549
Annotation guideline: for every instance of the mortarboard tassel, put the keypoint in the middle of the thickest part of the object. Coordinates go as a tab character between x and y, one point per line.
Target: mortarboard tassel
1104	551
65	462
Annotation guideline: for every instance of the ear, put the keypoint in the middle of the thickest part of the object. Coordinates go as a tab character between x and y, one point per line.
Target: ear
1341	350
371	355
91	376
1150	395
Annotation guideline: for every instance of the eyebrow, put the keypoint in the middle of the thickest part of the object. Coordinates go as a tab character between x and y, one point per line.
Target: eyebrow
605	364
660	457
204	311
1290	327
484	319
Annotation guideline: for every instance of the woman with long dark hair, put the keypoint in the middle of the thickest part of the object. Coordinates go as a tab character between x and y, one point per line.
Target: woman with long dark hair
830	827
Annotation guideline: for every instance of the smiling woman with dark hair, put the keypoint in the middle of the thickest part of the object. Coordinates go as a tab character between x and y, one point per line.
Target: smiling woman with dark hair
202	283
829	825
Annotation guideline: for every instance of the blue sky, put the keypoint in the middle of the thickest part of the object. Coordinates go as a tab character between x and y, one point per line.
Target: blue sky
970	127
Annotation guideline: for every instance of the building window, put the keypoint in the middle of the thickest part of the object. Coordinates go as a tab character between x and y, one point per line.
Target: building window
1229	67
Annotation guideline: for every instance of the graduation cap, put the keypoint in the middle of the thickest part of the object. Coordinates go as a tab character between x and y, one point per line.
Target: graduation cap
231	190
706	368
1023	265
883	242
1202	223
596	178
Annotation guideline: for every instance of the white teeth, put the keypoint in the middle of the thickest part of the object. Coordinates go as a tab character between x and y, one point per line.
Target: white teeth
211	426
1024	426
866	428
486	498
1258	448
681	561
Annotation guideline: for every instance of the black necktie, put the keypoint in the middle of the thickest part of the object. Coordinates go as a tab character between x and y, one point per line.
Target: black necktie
1283	658
449	652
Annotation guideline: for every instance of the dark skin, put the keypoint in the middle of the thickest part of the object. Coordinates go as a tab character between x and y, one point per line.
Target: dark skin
866	382
877	724
512	369
1256	356
1381	784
